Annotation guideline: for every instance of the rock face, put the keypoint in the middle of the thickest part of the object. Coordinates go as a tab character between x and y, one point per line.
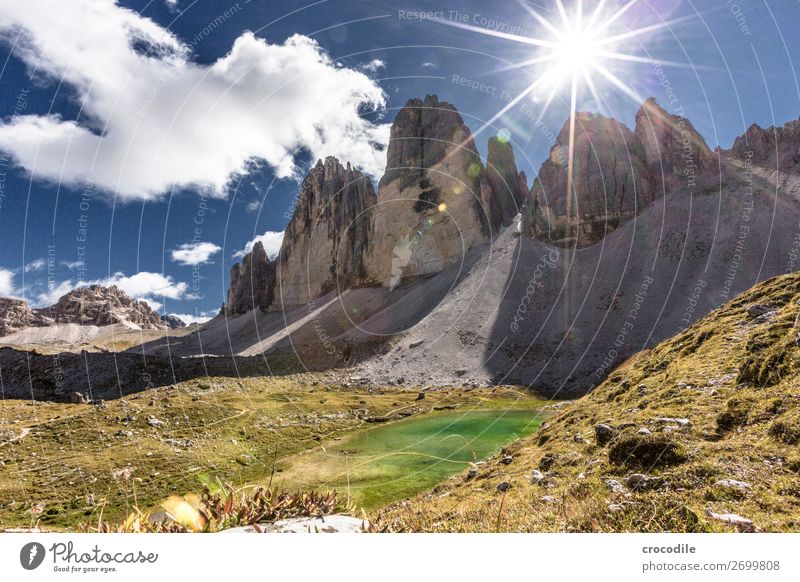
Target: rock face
503	188
252	283
15	314
94	305
674	151
173	321
325	245
776	147
617	174
99	305
610	183
429	211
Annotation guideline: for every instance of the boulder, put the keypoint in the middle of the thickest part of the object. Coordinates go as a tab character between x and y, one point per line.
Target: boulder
603	434
742	524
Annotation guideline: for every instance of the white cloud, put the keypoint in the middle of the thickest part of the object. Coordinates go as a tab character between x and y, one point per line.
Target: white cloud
159	120
373	66
253	205
7	283
54	292
272	244
201	317
33	266
145	286
198	253
72	265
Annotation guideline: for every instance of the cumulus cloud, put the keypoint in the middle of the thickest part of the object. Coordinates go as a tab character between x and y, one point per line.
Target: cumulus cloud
374	65
7	288
145	286
197	253
152	119
272	244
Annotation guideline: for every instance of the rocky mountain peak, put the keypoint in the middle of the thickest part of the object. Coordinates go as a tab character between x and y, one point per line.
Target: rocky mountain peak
422	134
173	321
430	210
675	152
610	183
326	241
503	188
100	305
252	283
16	314
776	147
617	173
93	305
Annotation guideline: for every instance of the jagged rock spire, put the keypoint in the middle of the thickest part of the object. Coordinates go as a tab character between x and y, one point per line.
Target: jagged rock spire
326	241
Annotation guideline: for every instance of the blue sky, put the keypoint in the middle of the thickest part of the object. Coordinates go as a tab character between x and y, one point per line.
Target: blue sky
142	169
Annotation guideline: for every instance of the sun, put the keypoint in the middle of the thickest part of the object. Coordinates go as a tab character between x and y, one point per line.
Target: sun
575	51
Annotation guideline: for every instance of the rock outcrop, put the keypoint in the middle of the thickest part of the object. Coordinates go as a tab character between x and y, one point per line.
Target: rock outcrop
15	314
503	188
429	211
676	154
173	321
777	148
99	305
617	173
252	283
610	183
93	305
325	244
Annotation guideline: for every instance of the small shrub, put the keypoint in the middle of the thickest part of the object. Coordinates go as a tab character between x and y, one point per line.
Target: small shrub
646	451
786	430
736	413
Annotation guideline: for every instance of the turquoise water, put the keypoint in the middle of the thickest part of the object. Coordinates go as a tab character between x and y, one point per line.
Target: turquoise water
395	461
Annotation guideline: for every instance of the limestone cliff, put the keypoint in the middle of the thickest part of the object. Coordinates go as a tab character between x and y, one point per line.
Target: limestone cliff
252	283
326	242
675	152
776	148
610	183
429	211
503	188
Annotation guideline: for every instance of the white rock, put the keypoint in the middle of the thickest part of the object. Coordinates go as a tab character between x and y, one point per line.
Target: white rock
328	524
741	523
678	421
615	486
740	486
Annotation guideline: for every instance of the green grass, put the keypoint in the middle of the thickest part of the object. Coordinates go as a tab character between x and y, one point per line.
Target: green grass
732	375
78	463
